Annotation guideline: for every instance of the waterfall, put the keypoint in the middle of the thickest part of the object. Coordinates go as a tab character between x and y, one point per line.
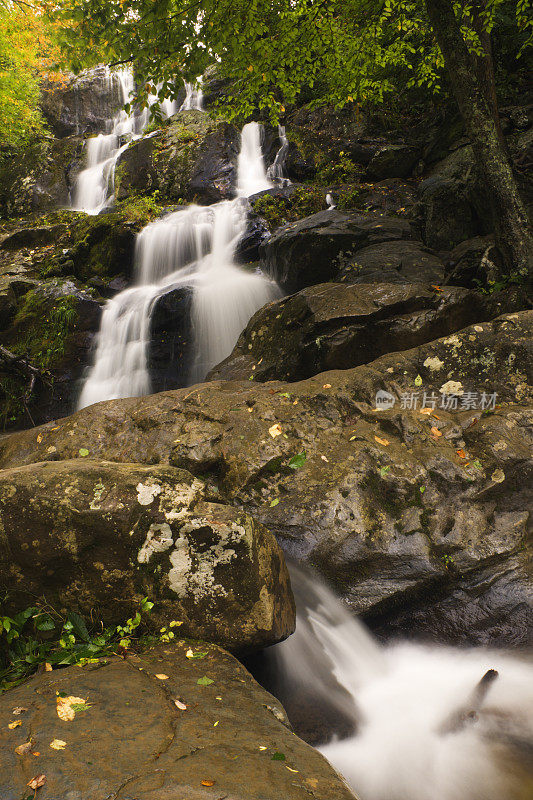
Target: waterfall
252	177
192	248
194	96
95	185
423	723
276	171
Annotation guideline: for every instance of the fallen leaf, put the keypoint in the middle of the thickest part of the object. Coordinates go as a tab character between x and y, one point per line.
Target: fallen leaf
278	757
208	783
23	749
39	438
291	769
384	442
162	677
275	430
215	723
13	725
262	747
274	502
205	681
37	782
36	753
18	710
436	432
425	410
437	288
47	667
498	476
461	453
58	744
180	705
418	380
325	459
327	386
67	707
83	452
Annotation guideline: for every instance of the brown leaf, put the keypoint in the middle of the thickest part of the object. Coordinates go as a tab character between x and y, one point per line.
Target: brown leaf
208	783
436	432
384	442
275	430
64	707
461	453
18	710
23	749
47	667
37	782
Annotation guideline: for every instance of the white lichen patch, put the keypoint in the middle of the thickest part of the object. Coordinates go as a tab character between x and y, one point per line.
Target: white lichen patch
146	493
98	491
433	363
453	341
176	500
452	387
158	539
199	581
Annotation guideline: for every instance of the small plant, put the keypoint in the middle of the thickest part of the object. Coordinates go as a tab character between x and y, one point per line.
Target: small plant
344	170
41	635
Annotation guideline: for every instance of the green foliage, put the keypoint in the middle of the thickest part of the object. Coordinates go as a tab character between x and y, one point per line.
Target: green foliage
45	325
344	170
40	635
350	199
277	211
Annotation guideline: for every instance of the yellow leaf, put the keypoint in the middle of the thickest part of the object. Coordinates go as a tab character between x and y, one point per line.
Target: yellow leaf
180	705
58	744
13	725
64	708
436	432
37	782
384	442
162	677
250	68
327	386
39	438
208	783
425	410
275	430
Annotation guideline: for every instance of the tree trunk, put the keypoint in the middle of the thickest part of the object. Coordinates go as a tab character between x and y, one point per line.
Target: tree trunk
484	66
512	227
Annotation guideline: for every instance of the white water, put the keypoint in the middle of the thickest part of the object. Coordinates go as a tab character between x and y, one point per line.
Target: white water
194	96
95	185
251	172
193	248
276	171
416	736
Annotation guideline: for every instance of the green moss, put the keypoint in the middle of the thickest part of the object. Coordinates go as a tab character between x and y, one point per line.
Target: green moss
44	325
277	211
342	170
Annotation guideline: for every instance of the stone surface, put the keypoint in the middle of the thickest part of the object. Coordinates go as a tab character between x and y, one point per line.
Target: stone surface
133	742
392	161
169	351
313	249
85	534
394	262
334	326
194	158
402	520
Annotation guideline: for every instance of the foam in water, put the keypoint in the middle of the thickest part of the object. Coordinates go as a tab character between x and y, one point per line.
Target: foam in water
252	177
422	730
194	96
192	248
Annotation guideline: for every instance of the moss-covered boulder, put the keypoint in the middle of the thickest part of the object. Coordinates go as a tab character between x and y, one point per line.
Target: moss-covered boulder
86	534
153	730
419	513
194	157
334	326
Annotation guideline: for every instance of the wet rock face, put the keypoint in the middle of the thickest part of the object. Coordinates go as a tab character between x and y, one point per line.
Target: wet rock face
82	104
425	515
221	745
334	326
170	349
193	158
313	249
88	534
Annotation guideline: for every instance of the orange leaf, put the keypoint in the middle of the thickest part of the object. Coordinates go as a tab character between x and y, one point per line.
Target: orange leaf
384	442
436	432
208	783
461	453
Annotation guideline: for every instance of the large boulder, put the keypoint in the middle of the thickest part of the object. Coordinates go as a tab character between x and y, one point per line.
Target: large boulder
392	262
313	249
392	161
194	158
82	104
171	339
226	739
334	326
408	512
90	534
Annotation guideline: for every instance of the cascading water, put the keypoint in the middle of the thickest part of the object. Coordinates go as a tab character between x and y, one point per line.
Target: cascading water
95	185
276	171
425	722
192	248
251	172
194	96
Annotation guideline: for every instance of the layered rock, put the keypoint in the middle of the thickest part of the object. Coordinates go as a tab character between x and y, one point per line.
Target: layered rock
425	513
85	534
228	738
334	326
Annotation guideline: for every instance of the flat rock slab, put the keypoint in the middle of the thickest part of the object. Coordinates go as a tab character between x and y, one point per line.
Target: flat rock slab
133	743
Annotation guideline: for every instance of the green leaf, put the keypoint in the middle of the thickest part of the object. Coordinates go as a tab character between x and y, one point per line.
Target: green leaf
83	452
297	461
205	681
278	757
418	380
383	471
78	626
422	489
274	502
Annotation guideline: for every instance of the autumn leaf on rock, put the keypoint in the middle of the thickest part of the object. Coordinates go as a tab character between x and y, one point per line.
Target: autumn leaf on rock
67	707
23	749
13	725
275	430
180	705
208	783
37	782
58	744
435	432
384	442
